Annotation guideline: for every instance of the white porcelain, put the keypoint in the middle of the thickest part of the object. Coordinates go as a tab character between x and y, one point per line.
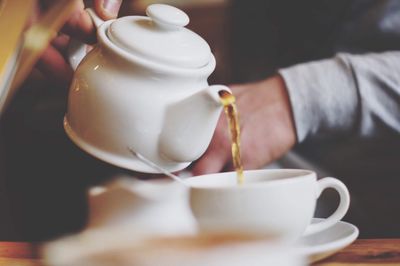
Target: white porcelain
144	86
147	208
150	223
327	242
279	202
133	222
93	247
161	37
119	248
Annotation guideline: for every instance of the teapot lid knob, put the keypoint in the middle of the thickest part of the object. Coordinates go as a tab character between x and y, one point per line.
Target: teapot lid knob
167	17
160	37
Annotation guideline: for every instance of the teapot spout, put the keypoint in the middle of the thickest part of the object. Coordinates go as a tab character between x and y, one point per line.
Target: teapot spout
190	123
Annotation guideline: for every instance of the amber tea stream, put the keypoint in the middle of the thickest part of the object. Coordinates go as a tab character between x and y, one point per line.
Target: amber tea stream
228	101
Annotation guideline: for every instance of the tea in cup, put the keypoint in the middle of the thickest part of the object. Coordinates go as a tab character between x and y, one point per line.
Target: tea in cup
277	202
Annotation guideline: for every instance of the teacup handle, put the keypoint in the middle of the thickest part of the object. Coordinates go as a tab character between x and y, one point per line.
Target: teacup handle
330	182
78	50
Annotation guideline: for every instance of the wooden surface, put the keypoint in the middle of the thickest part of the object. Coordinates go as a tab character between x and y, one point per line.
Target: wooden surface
368	252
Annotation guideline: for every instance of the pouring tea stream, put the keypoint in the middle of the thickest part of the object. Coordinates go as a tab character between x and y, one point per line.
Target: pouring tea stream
131	91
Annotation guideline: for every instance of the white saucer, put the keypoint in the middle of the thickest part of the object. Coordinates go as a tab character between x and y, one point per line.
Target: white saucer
323	244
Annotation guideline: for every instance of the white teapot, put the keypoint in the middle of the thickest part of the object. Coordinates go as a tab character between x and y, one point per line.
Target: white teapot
144	87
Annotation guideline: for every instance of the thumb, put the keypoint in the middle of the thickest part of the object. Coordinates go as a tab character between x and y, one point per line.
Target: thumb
107	9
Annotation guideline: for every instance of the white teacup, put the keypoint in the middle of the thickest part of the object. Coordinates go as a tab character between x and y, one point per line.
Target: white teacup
277	202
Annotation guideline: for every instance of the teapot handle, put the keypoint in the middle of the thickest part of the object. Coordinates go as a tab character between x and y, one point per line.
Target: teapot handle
77	50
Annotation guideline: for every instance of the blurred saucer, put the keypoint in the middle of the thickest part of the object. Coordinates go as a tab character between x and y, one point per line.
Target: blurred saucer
120	248
325	243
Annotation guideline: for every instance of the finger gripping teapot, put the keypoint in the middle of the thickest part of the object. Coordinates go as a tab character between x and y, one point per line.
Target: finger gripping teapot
144	87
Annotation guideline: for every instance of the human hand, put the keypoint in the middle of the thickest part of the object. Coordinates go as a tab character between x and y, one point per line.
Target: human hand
53	62
266	123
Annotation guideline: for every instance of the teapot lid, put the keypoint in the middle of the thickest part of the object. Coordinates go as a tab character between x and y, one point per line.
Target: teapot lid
161	37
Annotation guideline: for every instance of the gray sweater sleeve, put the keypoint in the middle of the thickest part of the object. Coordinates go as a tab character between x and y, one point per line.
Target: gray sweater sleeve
347	94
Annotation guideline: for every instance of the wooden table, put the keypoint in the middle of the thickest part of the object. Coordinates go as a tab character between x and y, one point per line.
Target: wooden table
368	252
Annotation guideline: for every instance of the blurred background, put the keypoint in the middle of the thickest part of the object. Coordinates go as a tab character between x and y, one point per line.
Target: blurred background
44	176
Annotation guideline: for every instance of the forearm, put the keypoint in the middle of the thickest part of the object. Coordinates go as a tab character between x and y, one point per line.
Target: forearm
346	94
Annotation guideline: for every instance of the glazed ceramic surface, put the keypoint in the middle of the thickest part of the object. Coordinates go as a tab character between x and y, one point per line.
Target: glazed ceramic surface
150	223
327	242
272	202
144	87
